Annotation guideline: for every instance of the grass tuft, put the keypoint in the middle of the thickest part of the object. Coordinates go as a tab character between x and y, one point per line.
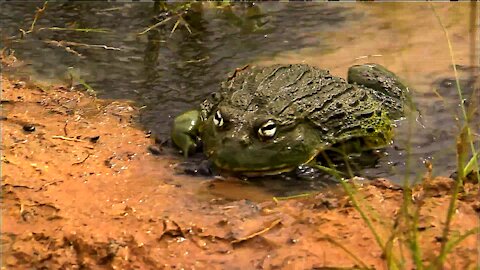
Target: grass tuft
464	140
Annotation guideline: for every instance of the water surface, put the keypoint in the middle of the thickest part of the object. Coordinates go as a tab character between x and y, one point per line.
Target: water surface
167	72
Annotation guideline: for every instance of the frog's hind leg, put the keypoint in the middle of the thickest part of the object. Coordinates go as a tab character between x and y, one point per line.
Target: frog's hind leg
393	93
379	78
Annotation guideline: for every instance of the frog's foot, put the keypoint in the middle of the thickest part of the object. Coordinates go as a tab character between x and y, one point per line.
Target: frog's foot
394	93
203	168
185	130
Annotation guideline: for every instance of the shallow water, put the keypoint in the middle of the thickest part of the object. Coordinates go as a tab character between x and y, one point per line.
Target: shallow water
166	73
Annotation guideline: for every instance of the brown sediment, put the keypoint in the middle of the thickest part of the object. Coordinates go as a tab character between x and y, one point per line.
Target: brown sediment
81	190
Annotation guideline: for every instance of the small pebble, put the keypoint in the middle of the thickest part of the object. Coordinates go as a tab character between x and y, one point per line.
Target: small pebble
19	84
154	150
94	139
29	128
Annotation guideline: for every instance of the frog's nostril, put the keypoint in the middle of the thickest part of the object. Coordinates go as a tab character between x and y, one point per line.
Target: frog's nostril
245	140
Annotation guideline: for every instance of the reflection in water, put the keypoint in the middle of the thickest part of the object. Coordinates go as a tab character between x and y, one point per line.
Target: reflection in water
166	73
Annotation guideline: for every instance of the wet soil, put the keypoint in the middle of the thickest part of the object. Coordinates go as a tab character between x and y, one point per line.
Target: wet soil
81	190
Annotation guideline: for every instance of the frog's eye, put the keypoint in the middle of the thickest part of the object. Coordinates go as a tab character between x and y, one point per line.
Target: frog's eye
267	130
218	119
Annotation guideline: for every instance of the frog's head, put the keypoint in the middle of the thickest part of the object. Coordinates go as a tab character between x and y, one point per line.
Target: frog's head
254	143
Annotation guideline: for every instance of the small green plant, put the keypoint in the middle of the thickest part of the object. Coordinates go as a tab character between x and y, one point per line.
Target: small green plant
74	75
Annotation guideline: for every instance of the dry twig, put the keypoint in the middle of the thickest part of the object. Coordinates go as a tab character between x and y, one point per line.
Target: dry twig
82	161
72	140
65	128
63	43
68	139
37	15
271	226
67	48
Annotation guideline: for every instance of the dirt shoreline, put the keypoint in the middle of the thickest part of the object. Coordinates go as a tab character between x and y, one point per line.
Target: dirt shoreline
81	191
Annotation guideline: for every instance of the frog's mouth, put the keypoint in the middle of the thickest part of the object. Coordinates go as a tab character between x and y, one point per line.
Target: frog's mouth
257	171
259	165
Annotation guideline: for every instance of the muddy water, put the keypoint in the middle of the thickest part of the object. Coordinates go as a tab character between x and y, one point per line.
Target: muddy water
166	73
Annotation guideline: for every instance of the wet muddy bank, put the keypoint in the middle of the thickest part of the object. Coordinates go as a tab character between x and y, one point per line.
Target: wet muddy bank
81	190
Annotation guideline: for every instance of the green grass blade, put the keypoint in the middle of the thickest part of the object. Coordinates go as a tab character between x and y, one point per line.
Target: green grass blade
465	137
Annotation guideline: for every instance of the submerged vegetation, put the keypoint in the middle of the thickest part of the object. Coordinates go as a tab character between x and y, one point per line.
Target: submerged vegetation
398	239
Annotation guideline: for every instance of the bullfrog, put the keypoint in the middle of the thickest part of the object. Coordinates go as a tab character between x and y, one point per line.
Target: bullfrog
270	120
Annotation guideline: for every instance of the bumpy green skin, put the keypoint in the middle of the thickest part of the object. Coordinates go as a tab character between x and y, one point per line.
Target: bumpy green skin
313	111
185	131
